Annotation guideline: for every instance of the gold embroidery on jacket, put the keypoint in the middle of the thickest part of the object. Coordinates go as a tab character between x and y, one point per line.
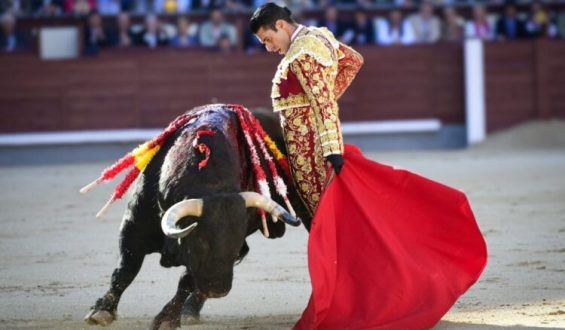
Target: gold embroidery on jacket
347	69
311	41
318	83
324	68
304	154
292	101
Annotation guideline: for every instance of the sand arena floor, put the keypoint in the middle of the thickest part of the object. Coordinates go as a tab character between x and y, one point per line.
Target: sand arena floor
57	258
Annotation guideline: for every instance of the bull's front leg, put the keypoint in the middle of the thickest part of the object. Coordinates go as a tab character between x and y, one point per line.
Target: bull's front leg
192	307
132	253
170	315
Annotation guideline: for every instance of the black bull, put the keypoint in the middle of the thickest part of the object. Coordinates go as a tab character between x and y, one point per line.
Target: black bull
210	252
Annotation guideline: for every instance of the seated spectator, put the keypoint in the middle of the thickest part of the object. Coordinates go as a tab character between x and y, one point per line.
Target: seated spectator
298	16
10	39
207	5
332	22
127	5
47	7
258	3
479	27
361	32
509	26
401	3
10	6
171	6
426	25
139	6
213	29
453	25
365	4
353	3
122	35
224	45
540	23
152	35
80	7
237	6
109	7
187	34
561	24
394	30
300	5
94	35
324	3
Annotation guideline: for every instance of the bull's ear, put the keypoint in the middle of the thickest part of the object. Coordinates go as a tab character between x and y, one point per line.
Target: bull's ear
276	229
242	253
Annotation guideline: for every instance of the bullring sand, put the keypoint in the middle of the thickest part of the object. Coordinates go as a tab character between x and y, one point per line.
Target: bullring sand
57	258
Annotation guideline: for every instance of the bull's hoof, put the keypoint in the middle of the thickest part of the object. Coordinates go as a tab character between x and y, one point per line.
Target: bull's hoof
167	325
103	318
192	307
191	320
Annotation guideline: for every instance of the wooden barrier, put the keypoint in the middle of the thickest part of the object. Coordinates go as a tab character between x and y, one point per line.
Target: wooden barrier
524	80
146	89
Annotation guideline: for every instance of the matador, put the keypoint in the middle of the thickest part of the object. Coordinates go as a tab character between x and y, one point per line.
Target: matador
419	238
314	73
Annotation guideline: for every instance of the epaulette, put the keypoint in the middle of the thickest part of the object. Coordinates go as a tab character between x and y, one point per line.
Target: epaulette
308	44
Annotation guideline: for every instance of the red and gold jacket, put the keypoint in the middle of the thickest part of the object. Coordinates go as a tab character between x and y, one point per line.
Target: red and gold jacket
315	72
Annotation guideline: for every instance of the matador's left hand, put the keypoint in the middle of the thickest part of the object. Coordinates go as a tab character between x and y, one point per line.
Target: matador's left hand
337	162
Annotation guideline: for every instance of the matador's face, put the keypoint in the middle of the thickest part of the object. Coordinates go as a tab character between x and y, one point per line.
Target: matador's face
275	41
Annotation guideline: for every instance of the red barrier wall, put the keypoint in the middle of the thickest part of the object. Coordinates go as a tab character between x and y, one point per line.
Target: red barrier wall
142	88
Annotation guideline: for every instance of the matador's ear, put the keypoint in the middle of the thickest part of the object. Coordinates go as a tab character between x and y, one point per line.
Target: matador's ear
279	24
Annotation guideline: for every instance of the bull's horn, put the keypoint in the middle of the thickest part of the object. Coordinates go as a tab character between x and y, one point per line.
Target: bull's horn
190	207
253	199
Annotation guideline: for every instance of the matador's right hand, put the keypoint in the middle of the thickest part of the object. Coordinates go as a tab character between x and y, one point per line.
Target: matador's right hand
337	162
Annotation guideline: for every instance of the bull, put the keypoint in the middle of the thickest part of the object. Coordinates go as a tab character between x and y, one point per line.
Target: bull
195	218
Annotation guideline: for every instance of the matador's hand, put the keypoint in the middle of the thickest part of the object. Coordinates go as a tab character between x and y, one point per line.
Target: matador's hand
337	162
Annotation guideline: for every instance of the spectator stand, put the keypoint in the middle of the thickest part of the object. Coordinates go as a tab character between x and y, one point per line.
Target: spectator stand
29	24
143	88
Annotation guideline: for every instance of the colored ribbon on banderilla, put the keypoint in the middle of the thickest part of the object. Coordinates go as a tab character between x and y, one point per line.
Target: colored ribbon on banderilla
139	158
254	134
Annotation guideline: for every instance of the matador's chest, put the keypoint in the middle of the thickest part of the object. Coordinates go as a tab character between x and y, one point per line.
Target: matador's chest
310	63
288	93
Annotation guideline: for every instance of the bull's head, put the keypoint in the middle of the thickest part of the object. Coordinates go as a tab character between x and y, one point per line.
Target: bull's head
222	222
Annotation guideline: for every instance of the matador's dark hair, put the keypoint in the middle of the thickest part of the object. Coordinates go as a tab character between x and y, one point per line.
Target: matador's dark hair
267	15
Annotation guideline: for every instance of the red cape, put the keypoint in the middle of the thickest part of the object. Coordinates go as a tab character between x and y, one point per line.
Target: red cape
389	249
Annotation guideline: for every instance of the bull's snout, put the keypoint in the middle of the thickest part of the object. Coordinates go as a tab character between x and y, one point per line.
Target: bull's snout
215	290
214	294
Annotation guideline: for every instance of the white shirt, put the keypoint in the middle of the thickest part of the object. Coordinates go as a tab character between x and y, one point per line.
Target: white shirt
295	33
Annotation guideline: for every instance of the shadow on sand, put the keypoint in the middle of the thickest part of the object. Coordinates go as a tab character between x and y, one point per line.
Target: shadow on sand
274	322
445	325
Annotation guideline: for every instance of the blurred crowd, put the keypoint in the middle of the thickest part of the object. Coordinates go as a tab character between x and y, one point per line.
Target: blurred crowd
171	23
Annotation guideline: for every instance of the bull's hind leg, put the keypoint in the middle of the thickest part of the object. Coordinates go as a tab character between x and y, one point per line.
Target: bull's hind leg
170	315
